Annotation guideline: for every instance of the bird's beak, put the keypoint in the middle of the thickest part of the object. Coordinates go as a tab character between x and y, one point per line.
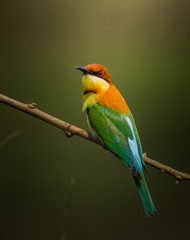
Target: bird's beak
83	69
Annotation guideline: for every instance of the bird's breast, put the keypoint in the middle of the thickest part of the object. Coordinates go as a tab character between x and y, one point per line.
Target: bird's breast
113	99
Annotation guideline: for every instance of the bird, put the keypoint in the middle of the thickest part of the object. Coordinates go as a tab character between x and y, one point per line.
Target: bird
111	121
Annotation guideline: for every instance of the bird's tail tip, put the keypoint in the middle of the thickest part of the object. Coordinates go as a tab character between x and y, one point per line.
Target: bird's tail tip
152	213
148	204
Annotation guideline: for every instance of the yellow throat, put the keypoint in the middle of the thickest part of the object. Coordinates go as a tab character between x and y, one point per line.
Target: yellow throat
93	87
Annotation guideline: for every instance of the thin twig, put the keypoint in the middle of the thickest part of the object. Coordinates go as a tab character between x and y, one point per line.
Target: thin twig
167	169
71	130
10	137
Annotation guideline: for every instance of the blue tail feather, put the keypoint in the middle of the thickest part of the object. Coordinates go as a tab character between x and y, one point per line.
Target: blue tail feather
148	204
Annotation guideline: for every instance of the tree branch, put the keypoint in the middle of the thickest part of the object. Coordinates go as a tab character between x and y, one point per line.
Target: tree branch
71	130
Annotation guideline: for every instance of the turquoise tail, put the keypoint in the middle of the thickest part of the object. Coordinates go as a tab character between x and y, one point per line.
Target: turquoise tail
148	204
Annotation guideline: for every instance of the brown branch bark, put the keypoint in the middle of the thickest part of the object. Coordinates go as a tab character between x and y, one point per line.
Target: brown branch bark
71	130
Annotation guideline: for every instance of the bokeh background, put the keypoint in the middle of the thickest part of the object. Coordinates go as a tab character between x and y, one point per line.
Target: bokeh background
145	46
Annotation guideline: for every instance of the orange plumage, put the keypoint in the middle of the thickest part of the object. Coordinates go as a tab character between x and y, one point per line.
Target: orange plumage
112	98
96	68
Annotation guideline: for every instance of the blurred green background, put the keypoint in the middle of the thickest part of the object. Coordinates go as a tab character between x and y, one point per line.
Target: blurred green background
145	46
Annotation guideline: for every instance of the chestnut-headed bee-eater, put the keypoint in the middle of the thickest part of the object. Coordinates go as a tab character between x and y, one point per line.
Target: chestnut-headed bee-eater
110	118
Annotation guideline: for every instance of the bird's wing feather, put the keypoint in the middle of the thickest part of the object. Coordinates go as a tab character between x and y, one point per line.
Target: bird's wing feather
119	134
137	139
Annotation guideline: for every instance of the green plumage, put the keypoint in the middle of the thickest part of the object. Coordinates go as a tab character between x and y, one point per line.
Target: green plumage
119	134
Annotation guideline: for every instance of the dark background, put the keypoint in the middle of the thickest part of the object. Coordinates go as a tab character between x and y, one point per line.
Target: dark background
145	46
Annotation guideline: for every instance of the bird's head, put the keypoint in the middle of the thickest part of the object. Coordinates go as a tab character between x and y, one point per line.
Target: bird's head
95	79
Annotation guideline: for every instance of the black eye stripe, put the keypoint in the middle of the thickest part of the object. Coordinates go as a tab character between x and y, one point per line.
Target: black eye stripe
96	74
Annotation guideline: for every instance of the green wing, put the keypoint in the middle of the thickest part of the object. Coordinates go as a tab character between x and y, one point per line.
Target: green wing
119	134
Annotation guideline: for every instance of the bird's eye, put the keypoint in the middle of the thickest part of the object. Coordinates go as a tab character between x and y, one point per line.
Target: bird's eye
99	73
